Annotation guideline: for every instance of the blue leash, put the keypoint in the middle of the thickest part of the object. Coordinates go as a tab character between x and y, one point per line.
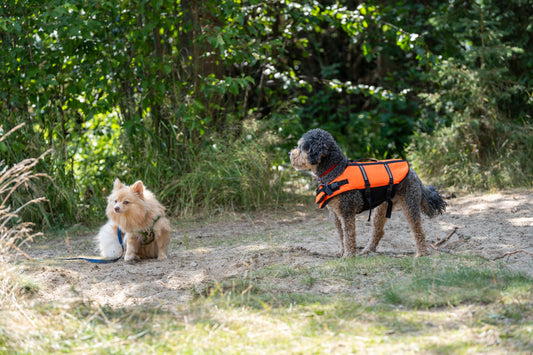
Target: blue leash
103	261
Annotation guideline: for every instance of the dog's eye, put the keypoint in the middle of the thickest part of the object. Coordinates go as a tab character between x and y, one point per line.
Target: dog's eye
126	202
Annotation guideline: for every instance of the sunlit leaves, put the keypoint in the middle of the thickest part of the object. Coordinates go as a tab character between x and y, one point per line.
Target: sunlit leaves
175	73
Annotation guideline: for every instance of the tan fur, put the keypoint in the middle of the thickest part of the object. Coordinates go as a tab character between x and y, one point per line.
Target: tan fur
300	161
134	209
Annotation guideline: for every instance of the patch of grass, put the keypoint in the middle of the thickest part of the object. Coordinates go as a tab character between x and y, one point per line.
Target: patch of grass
28	288
451	285
256	294
460	347
333	305
254	314
348	269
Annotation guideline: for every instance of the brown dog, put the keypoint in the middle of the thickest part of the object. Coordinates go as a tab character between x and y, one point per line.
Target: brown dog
141	218
317	151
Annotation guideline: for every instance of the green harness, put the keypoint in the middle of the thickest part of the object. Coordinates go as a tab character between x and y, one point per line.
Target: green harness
149	235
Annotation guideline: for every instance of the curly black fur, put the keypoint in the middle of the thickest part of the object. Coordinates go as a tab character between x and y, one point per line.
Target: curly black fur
317	151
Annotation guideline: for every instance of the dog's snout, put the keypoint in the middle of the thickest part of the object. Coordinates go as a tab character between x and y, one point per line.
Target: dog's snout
117	209
292	152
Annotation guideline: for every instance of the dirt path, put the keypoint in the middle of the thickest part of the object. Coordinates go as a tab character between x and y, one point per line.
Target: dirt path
203	252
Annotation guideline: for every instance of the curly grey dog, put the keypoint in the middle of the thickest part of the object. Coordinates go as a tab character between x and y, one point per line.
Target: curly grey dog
317	151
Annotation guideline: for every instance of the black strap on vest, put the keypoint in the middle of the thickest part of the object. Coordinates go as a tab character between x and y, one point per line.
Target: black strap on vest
368	194
330	189
389	191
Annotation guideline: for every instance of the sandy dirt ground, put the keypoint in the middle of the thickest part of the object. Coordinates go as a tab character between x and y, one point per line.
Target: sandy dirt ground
204	252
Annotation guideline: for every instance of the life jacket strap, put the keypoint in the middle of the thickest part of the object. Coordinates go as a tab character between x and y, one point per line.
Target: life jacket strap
368	193
389	191
331	188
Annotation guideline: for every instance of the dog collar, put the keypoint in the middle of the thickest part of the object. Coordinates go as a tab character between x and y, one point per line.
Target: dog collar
329	170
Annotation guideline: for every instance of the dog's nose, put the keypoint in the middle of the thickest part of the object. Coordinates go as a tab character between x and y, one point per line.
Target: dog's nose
117	209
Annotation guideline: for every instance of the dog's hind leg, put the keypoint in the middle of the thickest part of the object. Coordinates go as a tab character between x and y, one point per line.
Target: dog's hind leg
379	220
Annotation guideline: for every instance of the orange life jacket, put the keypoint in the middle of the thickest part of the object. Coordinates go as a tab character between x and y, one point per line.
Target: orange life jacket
378	179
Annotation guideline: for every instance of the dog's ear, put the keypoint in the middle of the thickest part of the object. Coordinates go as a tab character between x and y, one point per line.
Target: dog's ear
117	185
315	152
138	188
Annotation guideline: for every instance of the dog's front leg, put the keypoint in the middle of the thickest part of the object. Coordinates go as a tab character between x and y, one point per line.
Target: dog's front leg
348	229
379	220
162	243
338	224
345	223
132	248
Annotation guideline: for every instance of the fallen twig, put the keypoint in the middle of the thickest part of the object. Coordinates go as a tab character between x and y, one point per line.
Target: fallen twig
442	241
511	253
454	243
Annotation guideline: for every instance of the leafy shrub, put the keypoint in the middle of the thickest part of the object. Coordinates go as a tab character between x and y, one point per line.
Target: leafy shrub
143	90
480	107
228	174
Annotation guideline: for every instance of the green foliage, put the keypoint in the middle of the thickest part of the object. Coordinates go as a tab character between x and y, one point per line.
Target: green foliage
142	90
20	195
481	103
228	175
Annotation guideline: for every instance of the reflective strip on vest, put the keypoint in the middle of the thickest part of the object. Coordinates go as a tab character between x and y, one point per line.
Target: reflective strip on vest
377	174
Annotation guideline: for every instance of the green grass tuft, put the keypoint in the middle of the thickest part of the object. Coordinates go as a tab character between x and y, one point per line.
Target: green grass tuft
455	285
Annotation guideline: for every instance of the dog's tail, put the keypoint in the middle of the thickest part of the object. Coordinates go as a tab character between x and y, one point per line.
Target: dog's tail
432	203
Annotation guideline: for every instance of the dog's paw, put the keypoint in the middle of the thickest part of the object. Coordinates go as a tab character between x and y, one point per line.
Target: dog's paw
348	254
367	251
162	256
422	252
131	258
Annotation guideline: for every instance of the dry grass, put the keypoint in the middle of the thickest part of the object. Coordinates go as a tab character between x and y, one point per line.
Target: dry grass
14	232
438	305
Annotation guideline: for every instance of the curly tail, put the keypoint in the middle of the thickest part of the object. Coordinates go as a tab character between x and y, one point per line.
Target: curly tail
432	203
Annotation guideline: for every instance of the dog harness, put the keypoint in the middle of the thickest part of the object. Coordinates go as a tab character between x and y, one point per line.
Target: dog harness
378	179
149	234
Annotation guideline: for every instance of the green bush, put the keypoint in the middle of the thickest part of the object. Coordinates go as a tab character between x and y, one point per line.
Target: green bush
144	90
481	104
228	174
